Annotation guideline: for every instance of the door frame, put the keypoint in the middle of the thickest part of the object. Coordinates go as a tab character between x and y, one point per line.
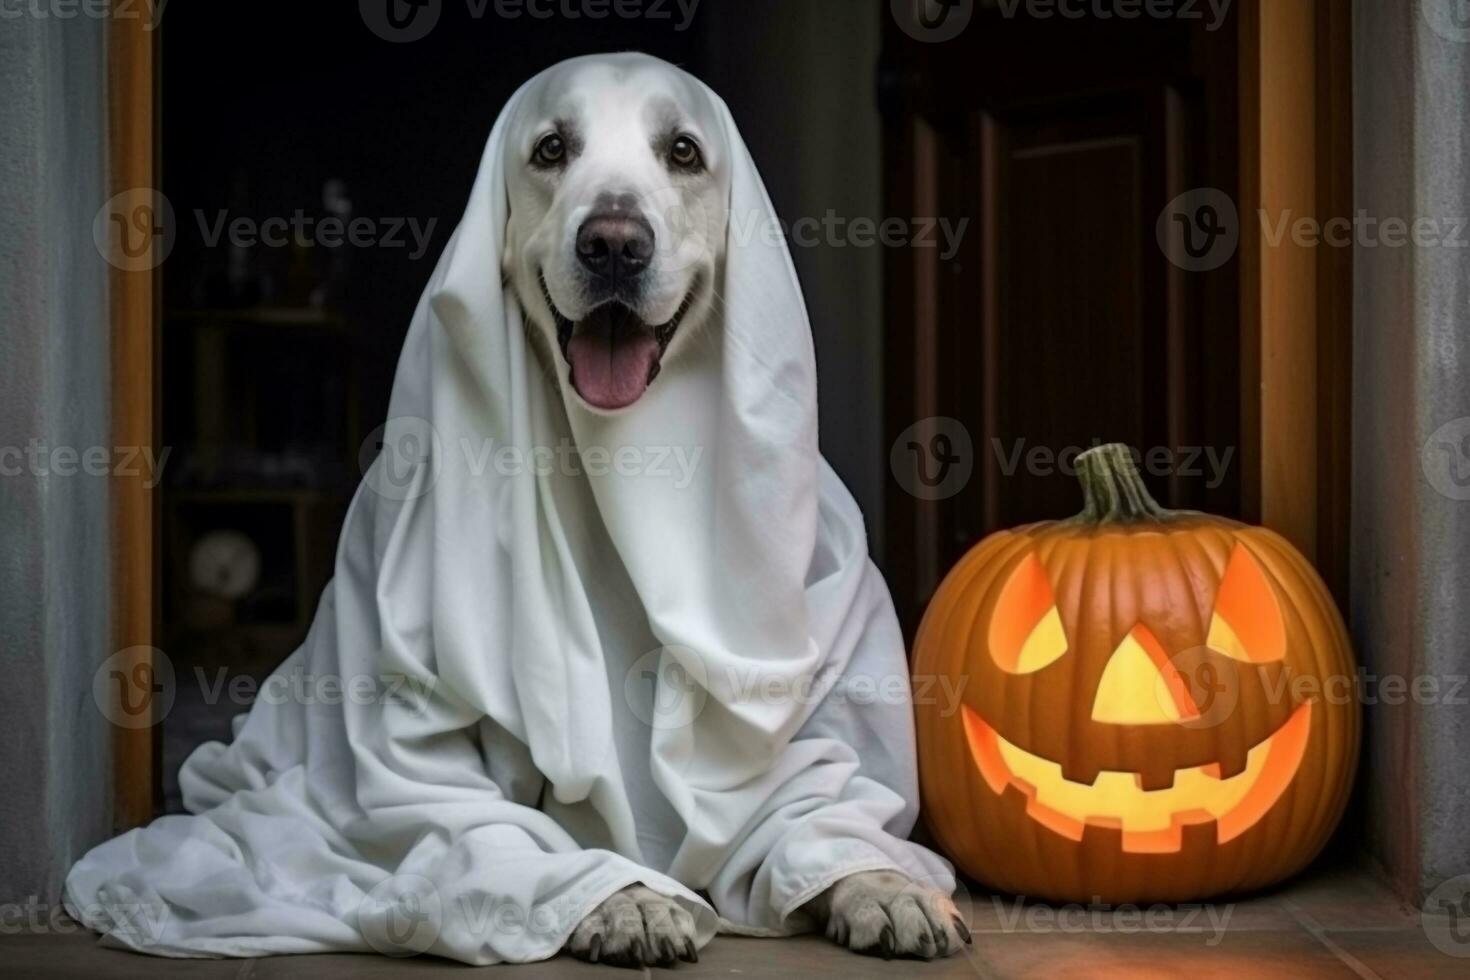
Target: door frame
1296	327
1295	300
132	162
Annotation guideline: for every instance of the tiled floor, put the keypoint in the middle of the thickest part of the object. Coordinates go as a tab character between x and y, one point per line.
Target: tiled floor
1328	925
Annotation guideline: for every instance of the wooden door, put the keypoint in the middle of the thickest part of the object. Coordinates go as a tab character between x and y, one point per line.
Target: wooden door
1096	294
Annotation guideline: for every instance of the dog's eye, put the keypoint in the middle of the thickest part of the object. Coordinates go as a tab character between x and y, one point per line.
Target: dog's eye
685	153
550	151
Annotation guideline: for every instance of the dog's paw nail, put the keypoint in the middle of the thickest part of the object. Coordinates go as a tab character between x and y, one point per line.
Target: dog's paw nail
594	949
636	953
691	952
887	942
666	954
963	930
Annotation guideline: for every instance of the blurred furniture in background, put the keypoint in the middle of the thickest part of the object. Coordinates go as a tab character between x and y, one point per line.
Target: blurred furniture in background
262	417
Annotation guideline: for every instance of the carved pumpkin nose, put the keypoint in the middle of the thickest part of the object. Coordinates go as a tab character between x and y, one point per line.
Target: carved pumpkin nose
1141	685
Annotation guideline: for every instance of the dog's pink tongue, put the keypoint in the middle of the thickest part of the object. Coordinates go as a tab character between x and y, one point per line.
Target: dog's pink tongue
610	368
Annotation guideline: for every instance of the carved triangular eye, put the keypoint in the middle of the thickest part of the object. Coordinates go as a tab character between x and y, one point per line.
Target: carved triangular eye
1026	629
1247	623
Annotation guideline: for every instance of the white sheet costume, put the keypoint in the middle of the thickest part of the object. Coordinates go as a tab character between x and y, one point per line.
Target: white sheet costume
664	657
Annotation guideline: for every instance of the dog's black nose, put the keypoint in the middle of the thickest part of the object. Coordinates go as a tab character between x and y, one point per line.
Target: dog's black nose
615	245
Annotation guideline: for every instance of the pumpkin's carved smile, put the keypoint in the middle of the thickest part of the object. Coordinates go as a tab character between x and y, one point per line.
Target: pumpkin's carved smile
1150	821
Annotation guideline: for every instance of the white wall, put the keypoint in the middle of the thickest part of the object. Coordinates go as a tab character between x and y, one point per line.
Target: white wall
55	765
1410	597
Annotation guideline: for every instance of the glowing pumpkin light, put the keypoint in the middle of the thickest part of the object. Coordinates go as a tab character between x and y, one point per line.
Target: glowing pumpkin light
1148	709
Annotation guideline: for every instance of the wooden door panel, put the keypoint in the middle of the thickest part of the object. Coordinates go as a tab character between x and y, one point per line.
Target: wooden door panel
1059	322
1071	330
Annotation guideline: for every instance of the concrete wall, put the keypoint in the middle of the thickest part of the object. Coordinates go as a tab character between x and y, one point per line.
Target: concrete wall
1411	439
55	765
800	78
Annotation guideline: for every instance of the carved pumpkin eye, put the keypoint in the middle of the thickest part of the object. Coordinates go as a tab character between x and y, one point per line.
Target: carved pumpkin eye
1026	630
1247	624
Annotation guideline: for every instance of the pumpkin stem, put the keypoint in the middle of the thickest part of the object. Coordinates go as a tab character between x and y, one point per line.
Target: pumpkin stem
1112	489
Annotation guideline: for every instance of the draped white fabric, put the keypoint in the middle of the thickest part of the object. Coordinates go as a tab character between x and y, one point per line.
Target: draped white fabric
663	657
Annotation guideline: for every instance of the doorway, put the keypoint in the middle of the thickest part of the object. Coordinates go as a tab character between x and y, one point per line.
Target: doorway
1119	282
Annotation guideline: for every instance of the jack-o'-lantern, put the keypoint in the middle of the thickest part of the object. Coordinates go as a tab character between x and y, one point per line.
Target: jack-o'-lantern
1152	705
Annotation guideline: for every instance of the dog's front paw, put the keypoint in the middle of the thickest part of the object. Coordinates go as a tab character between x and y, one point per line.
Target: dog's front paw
635	927
882	913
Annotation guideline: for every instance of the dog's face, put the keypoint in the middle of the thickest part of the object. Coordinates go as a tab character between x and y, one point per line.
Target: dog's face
617	222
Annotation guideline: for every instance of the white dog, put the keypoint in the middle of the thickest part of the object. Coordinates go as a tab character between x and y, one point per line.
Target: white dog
616	234
532	795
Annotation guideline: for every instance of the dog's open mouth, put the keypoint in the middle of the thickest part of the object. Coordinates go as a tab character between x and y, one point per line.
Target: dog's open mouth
613	354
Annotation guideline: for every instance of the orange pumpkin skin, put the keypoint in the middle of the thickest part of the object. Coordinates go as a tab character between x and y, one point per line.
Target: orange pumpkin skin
1057	774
